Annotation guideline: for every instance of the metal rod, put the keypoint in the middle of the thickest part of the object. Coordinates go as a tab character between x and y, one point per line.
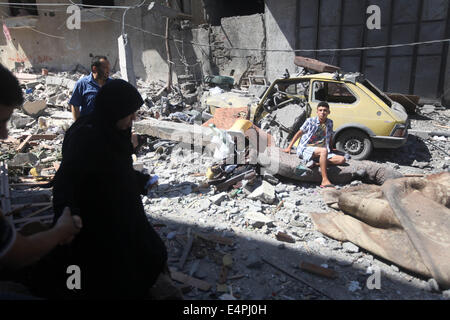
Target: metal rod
296	278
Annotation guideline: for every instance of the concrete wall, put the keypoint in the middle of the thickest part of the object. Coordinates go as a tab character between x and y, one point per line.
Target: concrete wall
302	24
286	24
72	47
280	18
239	32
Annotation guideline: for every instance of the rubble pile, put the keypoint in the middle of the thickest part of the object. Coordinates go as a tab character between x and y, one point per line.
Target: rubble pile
254	238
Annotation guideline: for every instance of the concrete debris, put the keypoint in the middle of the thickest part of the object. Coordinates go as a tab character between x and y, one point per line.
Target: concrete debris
247	211
34	108
218	198
427	109
350	247
446	294
354	286
60	82
318	270
257	220
433	286
23	159
265	193
20	121
253	261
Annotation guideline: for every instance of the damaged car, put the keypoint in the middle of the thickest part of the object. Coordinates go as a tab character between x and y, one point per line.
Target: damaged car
364	117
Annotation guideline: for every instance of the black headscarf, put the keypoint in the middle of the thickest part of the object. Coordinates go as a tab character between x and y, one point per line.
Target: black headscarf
116	100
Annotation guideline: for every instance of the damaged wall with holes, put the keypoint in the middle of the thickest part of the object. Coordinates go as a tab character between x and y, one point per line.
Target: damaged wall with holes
240	64
44	41
271	24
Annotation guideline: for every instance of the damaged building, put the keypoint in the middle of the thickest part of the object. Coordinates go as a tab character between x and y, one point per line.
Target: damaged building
216	37
240	219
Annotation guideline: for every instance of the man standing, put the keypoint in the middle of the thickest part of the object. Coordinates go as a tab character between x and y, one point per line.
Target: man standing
82	101
316	139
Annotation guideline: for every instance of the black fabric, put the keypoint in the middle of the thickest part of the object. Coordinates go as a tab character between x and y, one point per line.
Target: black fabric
6	235
119	254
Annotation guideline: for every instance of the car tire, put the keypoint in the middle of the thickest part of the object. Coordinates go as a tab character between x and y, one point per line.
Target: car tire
356	143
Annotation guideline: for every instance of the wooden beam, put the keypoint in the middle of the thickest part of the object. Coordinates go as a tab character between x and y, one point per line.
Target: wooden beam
318	270
22	146
295	277
184	278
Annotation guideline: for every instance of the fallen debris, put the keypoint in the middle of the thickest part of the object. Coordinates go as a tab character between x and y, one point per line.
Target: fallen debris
318	270
184	278
281	236
296	278
407	212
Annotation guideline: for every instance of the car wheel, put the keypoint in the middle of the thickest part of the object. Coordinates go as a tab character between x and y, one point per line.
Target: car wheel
356	143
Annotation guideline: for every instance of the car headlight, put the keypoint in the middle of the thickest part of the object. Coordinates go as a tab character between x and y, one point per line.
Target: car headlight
400	130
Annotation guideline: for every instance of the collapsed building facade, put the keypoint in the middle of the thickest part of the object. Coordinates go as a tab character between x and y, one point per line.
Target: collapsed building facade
214	37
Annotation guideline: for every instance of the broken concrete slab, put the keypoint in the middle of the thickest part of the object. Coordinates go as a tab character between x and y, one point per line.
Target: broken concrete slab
265	193
46	123
20	121
427	108
23	159
34	108
350	247
218	198
59	81
258	220
203	205
189	134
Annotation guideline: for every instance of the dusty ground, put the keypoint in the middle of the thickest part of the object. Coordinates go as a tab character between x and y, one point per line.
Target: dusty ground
185	208
180	206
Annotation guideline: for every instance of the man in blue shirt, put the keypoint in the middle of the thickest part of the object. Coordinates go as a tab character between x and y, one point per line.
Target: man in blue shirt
82	101
316	140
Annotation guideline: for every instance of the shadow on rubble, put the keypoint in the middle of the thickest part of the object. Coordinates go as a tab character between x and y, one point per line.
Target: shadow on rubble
252	276
414	149
174	190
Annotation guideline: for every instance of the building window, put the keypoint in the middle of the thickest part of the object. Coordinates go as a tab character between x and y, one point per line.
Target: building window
23	10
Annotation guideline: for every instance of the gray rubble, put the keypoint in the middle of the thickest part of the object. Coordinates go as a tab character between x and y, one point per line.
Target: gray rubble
249	220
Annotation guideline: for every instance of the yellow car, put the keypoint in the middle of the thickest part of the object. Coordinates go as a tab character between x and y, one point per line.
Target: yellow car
364	117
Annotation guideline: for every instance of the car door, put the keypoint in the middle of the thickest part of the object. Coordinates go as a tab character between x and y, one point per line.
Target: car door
342	100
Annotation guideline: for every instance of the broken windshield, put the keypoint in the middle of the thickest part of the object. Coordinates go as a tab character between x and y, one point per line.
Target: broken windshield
377	92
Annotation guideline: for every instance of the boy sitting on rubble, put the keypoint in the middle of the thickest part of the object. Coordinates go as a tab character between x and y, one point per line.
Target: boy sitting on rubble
315	143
